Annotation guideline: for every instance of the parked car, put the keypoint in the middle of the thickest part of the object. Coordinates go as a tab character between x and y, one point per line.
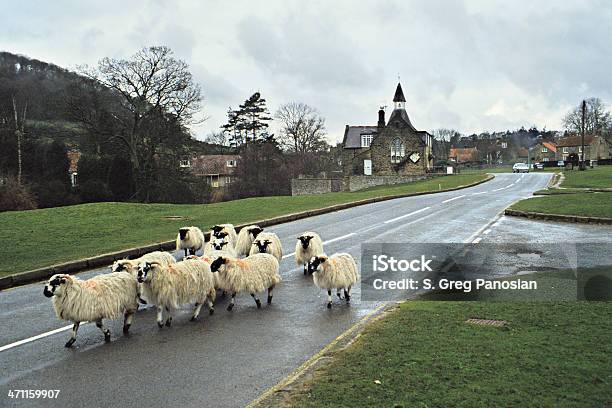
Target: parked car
520	168
539	166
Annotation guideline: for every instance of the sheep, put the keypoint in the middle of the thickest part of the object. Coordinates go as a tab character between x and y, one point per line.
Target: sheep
209	257
106	296
217	230
267	242
131	266
219	244
245	239
337	271
188	281
189	238
252	274
308	244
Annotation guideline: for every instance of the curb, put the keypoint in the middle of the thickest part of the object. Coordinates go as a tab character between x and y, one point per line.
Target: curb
558	217
41	274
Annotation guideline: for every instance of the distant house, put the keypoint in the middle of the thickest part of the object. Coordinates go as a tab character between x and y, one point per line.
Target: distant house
595	147
544	152
218	169
522	154
74	157
463	154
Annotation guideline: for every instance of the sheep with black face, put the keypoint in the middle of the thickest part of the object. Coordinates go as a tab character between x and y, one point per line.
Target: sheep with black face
102	297
338	271
220	243
308	244
189	239
253	275
218	230
267	243
246	236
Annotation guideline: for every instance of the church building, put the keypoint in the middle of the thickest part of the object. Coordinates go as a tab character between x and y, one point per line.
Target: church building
391	148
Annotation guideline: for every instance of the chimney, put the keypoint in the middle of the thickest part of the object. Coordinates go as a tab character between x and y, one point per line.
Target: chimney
381	118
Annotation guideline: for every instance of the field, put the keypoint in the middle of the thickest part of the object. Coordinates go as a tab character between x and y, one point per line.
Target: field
37	238
423	354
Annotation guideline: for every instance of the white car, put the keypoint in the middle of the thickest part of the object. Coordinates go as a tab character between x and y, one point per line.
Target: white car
520	168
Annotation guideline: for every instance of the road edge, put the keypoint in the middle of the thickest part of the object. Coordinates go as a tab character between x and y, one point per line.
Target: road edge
558	217
71	267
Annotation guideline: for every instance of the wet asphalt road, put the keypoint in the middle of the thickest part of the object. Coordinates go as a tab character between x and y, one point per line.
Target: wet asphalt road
228	359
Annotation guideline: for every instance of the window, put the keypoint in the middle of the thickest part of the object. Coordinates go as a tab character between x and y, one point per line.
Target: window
231	163
579	149
504	145
228	180
565	150
366	140
565	157
184	163
544	150
73	179
545	159
215	183
397	151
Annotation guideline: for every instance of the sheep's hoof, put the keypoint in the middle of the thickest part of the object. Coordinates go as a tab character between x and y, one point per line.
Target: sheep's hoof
107	336
211	311
126	329
193	319
168	322
230	307
339	295
258	302
329	305
269	300
69	343
160	324
348	299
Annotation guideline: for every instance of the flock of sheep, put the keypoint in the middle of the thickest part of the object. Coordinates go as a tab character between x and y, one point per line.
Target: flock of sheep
230	262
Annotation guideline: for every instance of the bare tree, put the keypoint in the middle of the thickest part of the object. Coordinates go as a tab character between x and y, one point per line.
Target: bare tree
302	128
217	138
20	118
598	119
153	86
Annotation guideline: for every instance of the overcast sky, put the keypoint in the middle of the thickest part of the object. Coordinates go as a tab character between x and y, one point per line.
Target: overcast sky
468	65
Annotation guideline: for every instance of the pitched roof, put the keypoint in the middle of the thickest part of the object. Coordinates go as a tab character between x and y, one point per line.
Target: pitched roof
464	154
213	164
352	135
399	94
403	115
74	157
576	141
550	146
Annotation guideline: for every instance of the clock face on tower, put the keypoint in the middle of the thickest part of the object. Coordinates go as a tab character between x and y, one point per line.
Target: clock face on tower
415	157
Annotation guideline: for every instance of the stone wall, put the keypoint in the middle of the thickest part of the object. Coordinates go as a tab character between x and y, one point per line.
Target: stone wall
301	186
356	183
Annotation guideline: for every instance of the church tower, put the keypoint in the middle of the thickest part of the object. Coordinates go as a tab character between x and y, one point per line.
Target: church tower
398	100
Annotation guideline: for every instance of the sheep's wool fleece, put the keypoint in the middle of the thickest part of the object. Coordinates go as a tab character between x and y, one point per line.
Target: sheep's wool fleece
339	271
231	233
189	281
244	241
315	248
252	274
194	239
101	297
275	248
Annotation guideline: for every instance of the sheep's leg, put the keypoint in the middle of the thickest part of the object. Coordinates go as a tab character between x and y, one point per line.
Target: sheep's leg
211	306
347	294
186	253
106	332
127	322
75	329
232	301
160	317
257	301
306	268
224	294
270	289
338	293
196	311
192	251
329	299
169	319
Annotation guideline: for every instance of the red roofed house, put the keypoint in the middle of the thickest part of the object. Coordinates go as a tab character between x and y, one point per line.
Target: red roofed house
595	147
463	154
74	157
217	169
544	152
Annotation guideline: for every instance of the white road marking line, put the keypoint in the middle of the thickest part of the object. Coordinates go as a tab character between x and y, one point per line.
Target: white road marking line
487	231
453	199
339	238
406	215
288	255
482	192
477	240
39	336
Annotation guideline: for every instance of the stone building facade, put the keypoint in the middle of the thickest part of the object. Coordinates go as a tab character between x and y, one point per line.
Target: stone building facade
391	148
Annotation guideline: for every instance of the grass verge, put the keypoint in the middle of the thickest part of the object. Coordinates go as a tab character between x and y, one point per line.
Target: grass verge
584	204
424	355
37	238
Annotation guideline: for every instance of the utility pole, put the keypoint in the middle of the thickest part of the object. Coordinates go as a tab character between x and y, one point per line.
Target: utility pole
582	166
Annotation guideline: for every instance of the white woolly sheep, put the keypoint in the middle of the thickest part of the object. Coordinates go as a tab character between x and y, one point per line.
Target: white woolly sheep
188	281
219	244
337	271
252	274
189	239
218	230
267	243
105	296
131	266
246	236
308	244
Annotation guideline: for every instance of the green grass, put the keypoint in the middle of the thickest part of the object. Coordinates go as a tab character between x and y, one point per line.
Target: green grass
37	238
584	204
598	177
551	354
504	169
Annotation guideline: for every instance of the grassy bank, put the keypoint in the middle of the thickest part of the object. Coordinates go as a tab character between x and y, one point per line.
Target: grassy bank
32	239
425	355
572	199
